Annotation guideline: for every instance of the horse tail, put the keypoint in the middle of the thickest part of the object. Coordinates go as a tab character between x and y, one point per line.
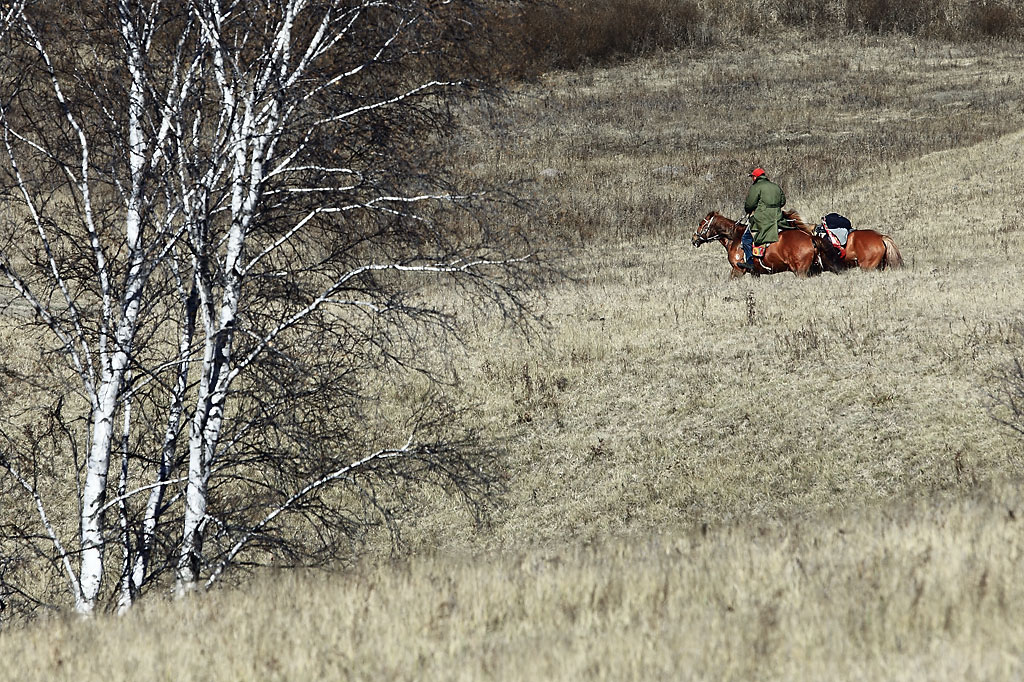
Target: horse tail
893	258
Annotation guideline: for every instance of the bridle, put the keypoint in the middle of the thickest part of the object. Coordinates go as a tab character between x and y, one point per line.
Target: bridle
703	233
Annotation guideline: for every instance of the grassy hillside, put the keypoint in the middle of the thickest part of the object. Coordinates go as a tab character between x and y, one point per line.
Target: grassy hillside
707	479
646	401
642	150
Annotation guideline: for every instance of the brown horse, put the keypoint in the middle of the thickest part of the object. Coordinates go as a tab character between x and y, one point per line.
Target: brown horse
866	249
796	251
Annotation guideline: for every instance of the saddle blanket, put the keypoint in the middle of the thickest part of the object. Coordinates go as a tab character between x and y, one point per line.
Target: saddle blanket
760	251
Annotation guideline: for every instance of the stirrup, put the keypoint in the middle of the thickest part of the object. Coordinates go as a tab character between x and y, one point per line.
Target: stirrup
744	265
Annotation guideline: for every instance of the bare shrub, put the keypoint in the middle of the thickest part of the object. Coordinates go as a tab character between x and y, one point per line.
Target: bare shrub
1006	396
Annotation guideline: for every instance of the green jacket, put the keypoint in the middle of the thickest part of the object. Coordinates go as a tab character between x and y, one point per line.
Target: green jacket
765	201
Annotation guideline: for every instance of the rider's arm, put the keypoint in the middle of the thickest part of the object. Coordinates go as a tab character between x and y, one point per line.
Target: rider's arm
752	198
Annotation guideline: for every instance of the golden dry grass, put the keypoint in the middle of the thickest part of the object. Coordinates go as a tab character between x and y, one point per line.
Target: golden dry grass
708	479
913	593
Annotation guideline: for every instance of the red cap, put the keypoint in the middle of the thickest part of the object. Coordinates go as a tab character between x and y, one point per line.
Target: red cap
756	173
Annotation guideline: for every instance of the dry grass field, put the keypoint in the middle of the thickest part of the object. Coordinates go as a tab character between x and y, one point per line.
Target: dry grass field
771	479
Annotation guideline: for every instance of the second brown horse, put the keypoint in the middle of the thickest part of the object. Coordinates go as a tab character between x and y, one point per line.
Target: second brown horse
865	248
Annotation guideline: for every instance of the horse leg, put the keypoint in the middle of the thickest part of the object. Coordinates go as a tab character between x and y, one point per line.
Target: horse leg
828	256
875	256
873	261
734	254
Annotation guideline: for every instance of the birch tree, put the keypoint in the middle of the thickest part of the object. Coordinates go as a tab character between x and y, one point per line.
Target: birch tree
231	218
83	162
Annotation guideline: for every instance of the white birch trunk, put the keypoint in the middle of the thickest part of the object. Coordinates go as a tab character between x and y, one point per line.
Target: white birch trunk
93	494
206	427
114	365
198	476
246	146
98	463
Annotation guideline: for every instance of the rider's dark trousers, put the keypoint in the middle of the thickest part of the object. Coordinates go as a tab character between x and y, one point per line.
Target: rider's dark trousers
747	241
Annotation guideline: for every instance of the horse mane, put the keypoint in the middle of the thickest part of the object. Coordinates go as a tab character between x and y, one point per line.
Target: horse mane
736	228
794	220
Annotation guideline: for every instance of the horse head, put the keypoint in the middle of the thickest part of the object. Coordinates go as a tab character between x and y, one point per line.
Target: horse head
713	227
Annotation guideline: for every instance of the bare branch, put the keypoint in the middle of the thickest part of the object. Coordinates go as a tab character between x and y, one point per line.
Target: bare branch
306	490
62	554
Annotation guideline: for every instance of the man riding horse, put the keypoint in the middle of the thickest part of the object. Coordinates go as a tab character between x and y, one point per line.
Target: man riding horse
764	205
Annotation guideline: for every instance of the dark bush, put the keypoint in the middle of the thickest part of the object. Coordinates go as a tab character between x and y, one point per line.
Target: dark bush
807	13
568	34
542	35
993	20
905	16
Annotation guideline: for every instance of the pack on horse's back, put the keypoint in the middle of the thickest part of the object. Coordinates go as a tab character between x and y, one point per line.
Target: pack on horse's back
837	228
